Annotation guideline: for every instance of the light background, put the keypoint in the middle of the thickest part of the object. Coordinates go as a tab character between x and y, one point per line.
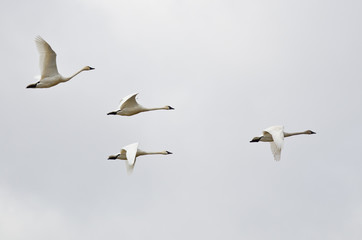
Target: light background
230	69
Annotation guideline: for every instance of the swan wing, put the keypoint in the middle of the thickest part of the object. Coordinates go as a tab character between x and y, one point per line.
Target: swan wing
276	151
47	58
131	151
129	101
277	133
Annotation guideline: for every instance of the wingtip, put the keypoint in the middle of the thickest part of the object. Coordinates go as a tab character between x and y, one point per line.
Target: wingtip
129	168
277	158
38	38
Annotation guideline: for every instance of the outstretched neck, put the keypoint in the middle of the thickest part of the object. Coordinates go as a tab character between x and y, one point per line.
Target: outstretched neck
140	153
293	134
152	109
75	74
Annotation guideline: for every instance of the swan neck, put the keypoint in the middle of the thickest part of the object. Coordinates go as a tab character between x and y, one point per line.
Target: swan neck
152	109
293	134
75	74
149	153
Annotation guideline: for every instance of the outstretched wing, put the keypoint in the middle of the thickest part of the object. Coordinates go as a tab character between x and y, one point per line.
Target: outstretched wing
129	101
277	133
131	151
47	58
276	151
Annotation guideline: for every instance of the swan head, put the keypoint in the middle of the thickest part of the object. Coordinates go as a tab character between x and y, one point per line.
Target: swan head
87	68
169	108
310	132
113	157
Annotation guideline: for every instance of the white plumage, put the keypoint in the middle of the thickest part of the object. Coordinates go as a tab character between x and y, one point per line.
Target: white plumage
48	67
275	135
129	106
130	153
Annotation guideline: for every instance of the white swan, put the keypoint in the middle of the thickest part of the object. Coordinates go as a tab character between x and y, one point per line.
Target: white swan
48	67
275	135
129	106
130	153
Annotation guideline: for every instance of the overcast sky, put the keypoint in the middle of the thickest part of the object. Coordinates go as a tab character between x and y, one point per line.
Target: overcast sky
230	69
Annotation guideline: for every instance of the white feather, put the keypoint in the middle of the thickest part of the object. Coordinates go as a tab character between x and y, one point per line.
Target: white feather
48	67
129	106
131	152
275	135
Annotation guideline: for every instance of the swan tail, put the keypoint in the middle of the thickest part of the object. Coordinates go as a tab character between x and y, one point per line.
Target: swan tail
113	157
32	85
256	139
112	113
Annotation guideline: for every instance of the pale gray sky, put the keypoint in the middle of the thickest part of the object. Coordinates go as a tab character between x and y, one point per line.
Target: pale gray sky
231	69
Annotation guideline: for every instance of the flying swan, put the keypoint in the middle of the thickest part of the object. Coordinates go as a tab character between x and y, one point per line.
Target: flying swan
48	67
275	135
129	106
130	153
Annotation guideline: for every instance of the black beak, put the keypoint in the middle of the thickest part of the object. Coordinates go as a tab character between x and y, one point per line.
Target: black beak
169	152
112	113
171	108
90	68
313	132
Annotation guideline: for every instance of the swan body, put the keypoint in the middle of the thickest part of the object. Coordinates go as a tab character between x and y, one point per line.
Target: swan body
129	106
130	153
48	67
275	135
